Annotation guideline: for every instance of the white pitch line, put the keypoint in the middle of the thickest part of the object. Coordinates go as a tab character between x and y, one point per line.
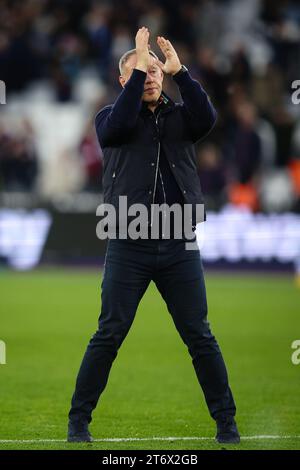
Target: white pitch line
139	439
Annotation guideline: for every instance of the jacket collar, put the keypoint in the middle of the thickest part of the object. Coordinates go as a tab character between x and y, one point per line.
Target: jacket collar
165	104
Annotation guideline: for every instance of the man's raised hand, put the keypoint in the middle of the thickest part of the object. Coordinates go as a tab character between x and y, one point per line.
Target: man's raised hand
172	64
142	49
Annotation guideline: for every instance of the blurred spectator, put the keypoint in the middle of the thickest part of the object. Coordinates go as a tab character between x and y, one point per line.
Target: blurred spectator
212	173
67	65
216	82
284	125
209	12
243	150
154	18
244	195
97	26
294	171
240	68
18	160
276	191
92	159
283	19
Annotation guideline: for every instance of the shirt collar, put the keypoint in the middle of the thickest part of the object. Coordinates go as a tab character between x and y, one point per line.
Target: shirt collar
164	102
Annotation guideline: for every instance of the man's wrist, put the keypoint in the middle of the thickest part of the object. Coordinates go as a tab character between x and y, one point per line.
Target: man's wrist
181	70
141	67
177	70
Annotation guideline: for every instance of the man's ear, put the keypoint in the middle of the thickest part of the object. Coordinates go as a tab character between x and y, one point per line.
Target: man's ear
122	80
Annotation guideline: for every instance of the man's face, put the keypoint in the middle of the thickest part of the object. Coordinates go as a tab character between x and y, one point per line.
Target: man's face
153	82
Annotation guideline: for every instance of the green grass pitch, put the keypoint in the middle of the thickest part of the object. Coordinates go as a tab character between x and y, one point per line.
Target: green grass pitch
48	316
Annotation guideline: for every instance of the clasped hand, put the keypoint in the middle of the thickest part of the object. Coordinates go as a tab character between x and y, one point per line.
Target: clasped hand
172	63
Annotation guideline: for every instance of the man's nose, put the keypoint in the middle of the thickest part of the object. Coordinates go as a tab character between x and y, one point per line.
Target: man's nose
149	78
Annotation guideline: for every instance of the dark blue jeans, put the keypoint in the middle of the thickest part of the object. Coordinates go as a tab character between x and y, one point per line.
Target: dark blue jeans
178	274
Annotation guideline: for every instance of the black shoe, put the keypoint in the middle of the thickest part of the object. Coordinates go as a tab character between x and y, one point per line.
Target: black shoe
227	432
78	431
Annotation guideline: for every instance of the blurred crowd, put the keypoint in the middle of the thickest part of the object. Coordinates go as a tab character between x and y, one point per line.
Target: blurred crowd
246	53
18	159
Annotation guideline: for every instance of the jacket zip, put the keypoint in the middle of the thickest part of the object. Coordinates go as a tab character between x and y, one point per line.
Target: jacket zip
165	201
113	182
114	175
156	171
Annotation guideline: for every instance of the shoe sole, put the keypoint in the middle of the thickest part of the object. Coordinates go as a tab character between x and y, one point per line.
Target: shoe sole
78	439
236	440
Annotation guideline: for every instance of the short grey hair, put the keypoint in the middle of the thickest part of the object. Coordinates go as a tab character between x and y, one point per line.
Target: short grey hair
127	55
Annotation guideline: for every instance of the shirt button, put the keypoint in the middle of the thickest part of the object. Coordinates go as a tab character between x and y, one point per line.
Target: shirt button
184	191
150	192
173	165
152	163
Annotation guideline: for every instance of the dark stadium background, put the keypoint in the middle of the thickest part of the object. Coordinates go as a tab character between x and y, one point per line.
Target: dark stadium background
58	60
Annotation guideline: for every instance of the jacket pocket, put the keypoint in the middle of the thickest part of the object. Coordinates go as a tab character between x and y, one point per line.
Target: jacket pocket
112	183
114	176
